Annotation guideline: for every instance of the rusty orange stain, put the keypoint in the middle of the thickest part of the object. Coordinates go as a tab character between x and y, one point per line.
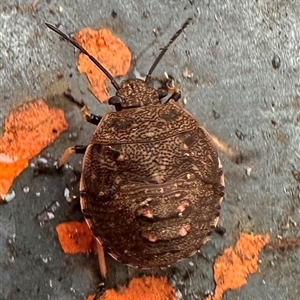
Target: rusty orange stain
27	130
145	288
232	268
75	237
110	51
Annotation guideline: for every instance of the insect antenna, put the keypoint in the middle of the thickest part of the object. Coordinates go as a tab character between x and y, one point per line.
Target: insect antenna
163	50
92	58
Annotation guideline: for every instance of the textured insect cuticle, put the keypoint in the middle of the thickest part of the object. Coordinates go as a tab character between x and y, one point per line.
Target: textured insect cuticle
152	181
184	229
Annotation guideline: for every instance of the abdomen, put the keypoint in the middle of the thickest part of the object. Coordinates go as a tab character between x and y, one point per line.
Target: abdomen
162	199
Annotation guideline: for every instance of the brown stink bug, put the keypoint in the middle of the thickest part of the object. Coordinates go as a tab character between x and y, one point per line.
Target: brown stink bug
151	183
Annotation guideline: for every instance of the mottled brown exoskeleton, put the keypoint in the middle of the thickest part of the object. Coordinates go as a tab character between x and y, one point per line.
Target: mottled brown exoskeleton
152	182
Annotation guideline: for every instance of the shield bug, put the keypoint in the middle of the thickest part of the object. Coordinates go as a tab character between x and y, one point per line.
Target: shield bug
151	183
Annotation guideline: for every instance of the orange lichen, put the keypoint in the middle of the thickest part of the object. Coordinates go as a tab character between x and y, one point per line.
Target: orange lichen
75	237
146	288
27	130
235	264
110	51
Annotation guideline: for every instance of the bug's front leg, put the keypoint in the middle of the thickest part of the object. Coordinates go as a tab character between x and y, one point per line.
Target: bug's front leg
91	118
172	88
168	87
78	149
175	96
220	230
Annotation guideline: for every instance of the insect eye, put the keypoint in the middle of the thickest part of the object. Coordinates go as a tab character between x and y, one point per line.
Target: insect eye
114	100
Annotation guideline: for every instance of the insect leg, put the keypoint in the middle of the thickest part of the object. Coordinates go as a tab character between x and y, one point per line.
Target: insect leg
220	230
235	156
78	149
102	264
101	260
175	96
100	291
91	118
162	93
176	92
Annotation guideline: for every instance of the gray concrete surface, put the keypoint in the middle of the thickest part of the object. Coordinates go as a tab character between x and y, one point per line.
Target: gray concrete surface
239	92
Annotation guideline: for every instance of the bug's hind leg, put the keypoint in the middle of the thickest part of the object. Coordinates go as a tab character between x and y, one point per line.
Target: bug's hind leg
101	260
100	291
235	156
110	279
78	149
103	270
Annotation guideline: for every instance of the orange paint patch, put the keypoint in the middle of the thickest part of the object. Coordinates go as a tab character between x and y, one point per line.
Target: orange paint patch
232	268
110	51
75	237
146	288
27	131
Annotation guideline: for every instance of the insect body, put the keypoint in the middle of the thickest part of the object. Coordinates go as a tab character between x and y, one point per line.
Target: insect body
151	183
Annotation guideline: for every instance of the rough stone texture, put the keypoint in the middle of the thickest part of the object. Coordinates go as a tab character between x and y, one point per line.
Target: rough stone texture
245	89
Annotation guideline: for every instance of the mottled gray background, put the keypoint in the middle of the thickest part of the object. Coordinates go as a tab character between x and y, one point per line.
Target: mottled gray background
245	89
